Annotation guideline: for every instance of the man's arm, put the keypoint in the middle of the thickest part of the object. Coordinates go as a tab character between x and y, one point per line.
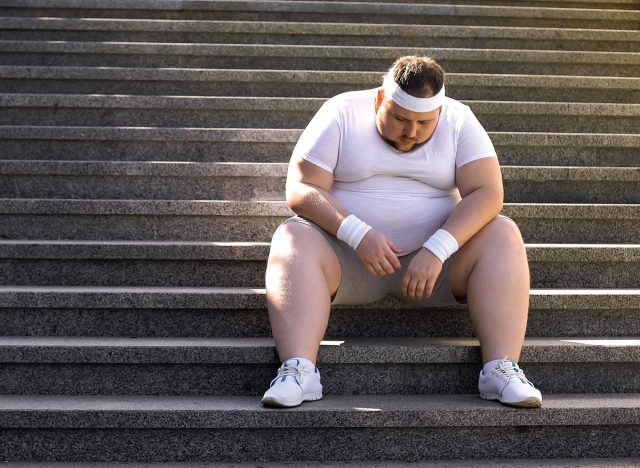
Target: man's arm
309	195
480	186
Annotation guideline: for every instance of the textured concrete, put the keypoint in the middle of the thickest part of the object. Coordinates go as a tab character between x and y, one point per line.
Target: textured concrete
346	411
243	298
148	81
347	58
338	444
256	221
207	111
263	32
354	12
341	350
275	145
100	319
202	264
228	379
495	463
263	181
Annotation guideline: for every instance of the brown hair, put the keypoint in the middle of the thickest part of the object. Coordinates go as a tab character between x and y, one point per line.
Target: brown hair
418	76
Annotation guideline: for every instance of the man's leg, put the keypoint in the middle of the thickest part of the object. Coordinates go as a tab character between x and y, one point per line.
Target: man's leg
303	272
491	270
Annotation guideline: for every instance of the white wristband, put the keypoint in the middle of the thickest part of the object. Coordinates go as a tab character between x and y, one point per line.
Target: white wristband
442	244
352	230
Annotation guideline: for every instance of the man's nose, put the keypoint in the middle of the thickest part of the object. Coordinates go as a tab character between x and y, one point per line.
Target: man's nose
410	129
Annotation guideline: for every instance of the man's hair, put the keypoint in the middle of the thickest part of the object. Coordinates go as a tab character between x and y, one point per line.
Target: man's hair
418	76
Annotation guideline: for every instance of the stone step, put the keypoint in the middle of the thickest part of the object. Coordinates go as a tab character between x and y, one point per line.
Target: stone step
417	427
349	366
241	312
491	463
18	7
202	264
343	58
264	32
234	112
276	145
332	12
266	181
230	221
300	83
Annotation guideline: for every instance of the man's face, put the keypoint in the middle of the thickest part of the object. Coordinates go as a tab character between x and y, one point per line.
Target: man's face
401	128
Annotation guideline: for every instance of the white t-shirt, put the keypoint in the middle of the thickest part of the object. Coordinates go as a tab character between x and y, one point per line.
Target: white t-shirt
405	195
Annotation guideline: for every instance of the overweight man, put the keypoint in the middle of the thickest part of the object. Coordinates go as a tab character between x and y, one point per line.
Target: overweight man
397	191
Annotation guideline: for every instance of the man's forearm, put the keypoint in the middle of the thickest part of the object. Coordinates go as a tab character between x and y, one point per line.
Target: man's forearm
473	212
317	205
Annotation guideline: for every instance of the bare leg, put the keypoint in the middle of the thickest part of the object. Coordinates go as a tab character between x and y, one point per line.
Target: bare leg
491	269
302	273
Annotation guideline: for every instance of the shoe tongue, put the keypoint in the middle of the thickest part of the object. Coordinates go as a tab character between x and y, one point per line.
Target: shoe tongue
291	363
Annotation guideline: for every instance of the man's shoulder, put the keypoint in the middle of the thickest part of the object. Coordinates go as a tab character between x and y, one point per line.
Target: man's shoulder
455	106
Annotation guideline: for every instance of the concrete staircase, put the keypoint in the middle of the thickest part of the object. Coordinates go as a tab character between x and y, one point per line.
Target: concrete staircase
143	150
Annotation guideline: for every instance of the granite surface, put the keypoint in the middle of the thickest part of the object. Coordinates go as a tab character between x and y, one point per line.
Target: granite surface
173	51
266	182
341	350
242	298
150	111
489	463
244	315
229	379
333	411
326	443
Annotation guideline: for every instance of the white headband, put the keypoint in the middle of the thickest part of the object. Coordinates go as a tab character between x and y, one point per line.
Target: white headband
393	91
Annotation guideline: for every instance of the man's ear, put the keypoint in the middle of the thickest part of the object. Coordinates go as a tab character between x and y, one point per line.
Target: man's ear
379	98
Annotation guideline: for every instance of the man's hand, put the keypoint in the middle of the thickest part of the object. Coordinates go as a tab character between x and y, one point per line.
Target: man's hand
421	275
378	253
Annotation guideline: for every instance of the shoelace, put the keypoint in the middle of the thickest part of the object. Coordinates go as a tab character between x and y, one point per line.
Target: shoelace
297	371
511	371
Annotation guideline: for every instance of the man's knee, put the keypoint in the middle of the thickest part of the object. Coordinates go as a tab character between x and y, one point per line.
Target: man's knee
298	242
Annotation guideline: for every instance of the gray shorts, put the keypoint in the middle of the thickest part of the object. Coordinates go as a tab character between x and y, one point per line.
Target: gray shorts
359	286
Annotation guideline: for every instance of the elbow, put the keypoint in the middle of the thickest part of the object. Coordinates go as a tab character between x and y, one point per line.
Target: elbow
295	199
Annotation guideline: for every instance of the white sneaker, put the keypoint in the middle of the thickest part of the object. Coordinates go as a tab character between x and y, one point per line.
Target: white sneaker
508	384
298	380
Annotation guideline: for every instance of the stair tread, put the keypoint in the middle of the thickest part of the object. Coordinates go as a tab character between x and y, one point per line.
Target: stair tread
200	250
306	76
321	52
334	411
286	135
78	101
279	208
306	28
333	350
279	170
254	298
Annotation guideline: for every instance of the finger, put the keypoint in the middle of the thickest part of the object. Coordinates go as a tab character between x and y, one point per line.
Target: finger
405	284
377	268
420	289
393	260
412	287
393	246
386	266
429	287
371	269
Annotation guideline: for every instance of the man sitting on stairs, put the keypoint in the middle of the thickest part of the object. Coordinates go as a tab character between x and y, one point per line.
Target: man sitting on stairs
397	191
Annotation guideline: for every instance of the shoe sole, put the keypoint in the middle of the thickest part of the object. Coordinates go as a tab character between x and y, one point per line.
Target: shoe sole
531	402
275	403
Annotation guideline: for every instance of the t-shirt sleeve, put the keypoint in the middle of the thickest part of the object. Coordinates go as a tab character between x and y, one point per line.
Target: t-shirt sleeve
473	141
320	141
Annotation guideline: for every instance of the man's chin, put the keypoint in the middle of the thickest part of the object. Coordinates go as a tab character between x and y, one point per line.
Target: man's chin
403	145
